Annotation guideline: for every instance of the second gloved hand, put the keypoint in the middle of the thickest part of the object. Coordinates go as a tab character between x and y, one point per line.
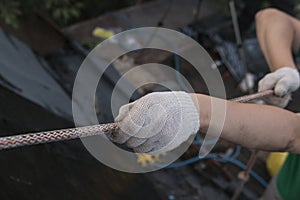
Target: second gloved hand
284	81
157	122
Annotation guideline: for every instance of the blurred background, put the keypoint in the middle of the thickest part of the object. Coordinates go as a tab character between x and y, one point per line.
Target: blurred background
42	45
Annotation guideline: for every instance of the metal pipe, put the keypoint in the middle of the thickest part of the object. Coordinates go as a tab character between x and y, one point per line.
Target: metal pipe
239	42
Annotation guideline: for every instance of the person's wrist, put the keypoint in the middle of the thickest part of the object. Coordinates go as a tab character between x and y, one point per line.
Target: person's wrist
204	111
288	67
284	67
189	110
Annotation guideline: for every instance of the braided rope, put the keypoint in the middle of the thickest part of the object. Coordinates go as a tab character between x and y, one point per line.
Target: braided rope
73	133
250	97
54	136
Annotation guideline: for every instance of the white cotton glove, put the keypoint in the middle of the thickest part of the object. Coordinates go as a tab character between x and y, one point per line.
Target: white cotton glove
284	81
158	122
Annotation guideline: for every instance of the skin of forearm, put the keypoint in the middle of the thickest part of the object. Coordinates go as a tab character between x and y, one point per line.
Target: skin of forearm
254	126
277	36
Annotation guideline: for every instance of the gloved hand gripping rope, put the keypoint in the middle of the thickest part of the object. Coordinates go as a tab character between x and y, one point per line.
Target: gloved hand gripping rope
73	133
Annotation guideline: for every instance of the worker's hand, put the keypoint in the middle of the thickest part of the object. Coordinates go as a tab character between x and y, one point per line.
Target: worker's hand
157	122
284	81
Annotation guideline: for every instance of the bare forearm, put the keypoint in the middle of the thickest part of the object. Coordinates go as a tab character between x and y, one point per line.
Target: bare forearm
277	33
261	127
255	126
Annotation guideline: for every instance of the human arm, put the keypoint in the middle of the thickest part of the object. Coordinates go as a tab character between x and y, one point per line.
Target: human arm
254	126
278	34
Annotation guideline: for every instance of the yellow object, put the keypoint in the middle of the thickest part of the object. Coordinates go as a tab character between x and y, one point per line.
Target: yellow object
275	161
102	33
145	159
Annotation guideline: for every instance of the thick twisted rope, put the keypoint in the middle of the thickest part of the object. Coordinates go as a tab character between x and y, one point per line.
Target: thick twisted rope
73	133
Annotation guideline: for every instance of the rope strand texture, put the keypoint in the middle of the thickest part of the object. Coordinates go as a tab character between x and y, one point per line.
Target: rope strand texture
28	139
